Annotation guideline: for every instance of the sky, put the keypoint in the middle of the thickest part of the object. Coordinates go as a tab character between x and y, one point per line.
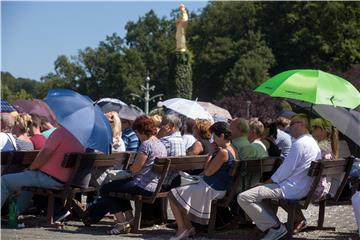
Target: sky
34	34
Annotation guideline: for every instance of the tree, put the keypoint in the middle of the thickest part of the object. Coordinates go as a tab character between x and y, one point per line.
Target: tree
228	48
322	35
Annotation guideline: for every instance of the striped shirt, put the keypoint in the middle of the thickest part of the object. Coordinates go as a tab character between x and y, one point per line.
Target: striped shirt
130	139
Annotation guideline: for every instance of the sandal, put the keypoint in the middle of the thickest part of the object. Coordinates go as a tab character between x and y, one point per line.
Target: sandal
120	228
299	226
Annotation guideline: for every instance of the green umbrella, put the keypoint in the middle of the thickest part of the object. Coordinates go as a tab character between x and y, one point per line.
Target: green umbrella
314	86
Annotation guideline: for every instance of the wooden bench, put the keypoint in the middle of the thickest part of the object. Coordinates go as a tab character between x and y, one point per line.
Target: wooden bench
162	166
318	170
245	173
12	162
80	162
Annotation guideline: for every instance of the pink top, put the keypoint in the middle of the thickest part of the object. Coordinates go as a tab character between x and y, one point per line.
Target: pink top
60	142
38	141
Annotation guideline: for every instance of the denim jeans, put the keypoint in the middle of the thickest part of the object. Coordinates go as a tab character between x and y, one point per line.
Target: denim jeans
14	182
113	204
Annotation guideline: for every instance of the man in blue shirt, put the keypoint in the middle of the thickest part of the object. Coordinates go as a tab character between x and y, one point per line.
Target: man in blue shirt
129	137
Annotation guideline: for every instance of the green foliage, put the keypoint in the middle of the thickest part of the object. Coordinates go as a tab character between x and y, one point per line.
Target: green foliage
181	75
230	52
324	35
18	88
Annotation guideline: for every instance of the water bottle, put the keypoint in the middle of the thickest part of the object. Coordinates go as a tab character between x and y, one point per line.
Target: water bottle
12	223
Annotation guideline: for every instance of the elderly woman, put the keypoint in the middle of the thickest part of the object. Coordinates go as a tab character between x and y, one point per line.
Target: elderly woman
21	130
115	123
7	141
193	202
143	182
201	131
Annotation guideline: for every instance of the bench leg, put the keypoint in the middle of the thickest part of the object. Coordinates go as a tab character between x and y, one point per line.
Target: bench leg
137	220
164	206
50	209
322	205
212	221
290	221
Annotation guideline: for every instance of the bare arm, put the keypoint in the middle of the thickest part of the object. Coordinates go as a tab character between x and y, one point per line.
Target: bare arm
195	149
139	161
215	163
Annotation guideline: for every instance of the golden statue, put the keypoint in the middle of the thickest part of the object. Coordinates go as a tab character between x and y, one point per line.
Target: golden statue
181	23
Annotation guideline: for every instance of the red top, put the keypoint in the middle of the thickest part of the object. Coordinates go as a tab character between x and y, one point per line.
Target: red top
38	141
60	142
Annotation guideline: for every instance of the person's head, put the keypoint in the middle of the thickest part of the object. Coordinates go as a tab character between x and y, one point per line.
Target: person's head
144	127
221	133
188	126
270	128
182	7
256	130
35	124
7	122
157	120
239	128
22	125
115	123
282	123
125	123
45	123
201	129
170	123
322	129
299	125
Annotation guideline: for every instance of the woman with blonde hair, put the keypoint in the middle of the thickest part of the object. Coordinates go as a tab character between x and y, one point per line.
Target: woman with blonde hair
201	132
21	131
327	137
115	122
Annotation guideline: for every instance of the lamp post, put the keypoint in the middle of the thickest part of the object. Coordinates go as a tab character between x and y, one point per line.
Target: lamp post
248	103
147	88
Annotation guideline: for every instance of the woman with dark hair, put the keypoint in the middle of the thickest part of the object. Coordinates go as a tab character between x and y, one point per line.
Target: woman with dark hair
143	182
269	138
193	202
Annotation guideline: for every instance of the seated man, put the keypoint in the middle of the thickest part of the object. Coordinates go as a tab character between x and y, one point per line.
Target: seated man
290	181
45	171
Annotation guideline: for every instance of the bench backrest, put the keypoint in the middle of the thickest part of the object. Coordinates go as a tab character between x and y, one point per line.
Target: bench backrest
322	168
84	162
17	161
245	169
164	165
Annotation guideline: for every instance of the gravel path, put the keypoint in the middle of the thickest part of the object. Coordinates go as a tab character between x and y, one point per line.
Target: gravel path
342	217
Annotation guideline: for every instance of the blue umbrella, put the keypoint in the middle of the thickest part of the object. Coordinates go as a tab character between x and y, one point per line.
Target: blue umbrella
6	107
84	119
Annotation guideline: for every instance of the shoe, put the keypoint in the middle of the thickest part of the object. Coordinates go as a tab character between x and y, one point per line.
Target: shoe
299	226
185	234
275	234
120	228
84	215
59	218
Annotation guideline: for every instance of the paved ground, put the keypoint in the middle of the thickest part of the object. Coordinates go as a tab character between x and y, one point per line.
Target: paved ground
341	217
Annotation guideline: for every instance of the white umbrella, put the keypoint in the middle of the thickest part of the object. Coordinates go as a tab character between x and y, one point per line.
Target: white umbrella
188	108
215	111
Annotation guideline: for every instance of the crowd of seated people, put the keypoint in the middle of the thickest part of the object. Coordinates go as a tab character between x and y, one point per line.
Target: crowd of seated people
297	139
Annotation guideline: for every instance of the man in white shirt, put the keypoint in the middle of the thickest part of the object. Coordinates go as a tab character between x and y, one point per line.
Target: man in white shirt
290	181
7	141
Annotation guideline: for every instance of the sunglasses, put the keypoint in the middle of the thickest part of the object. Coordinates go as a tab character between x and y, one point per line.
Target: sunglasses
294	122
316	126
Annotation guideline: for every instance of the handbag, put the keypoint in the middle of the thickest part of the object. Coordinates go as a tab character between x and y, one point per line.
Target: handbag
187	179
